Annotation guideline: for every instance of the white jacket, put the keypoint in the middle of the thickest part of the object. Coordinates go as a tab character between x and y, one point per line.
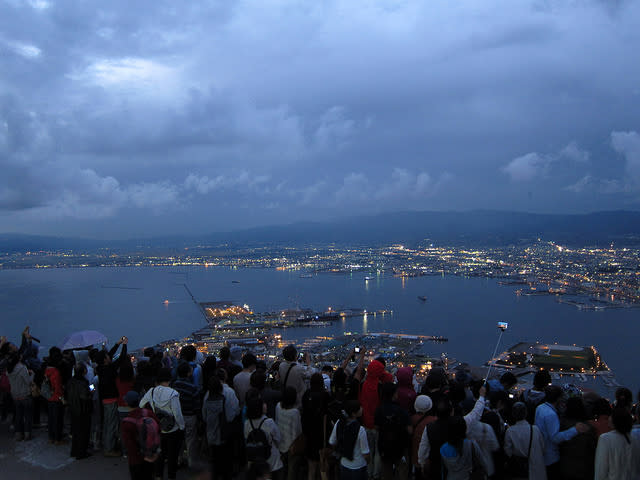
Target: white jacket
486	439
167	400
516	442
616	458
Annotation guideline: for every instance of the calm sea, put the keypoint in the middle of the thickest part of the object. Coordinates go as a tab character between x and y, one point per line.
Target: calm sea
130	301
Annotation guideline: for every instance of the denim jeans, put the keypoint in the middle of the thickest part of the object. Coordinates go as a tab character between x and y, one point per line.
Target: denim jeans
24	415
191	438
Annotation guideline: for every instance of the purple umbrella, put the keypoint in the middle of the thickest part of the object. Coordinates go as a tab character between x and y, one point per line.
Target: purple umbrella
82	339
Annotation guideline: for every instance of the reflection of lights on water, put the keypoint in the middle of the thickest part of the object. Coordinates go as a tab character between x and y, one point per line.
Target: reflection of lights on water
364	322
404	281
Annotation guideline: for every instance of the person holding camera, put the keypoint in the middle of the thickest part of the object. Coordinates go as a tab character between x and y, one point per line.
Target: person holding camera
293	373
107	370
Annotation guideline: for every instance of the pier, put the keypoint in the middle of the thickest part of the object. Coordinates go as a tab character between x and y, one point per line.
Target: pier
407	336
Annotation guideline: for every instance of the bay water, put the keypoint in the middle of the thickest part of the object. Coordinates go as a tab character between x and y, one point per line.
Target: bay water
131	302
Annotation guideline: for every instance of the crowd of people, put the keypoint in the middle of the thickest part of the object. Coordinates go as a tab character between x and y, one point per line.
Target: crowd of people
238	415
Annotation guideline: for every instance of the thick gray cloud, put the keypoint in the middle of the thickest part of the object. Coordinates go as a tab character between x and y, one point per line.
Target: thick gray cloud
125	119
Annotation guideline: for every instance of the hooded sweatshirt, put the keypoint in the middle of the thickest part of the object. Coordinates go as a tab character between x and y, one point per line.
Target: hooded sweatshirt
406	393
165	399
369	396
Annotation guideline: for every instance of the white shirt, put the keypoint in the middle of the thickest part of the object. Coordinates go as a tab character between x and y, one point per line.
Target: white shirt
241	384
360	449
424	449
486	439
516	442
290	425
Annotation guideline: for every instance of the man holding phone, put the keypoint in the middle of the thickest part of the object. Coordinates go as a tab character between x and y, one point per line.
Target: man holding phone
295	374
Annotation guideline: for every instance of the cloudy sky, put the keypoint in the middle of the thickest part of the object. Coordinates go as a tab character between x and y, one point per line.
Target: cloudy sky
122	119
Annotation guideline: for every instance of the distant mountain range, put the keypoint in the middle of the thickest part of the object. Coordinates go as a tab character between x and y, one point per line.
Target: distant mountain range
481	228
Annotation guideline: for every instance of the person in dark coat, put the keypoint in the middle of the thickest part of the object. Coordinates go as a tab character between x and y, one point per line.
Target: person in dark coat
80	403
578	455
315	402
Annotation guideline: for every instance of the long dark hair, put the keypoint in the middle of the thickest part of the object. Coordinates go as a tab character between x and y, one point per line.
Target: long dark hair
289	398
215	386
14	359
622	422
126	373
456	432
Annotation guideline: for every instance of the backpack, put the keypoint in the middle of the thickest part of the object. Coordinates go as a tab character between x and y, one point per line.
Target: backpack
347	436
392	438
148	436
257	444
166	420
216	422
45	389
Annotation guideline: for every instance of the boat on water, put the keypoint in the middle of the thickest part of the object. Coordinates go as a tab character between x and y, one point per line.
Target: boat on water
366	279
422	298
235	281
306	275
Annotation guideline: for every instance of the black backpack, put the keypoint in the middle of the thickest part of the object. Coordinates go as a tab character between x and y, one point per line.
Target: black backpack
257	444
347	436
392	439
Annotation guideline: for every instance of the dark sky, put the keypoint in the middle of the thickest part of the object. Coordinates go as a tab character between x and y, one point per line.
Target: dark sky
122	119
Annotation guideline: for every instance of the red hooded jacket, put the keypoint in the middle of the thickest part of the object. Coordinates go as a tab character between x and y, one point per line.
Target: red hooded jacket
406	392
369	395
